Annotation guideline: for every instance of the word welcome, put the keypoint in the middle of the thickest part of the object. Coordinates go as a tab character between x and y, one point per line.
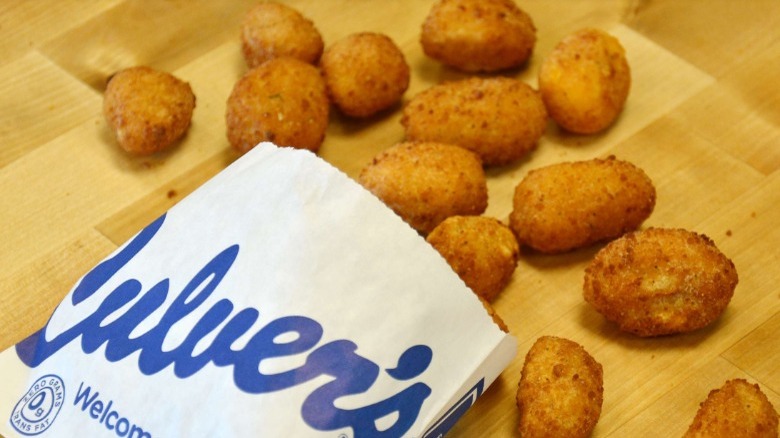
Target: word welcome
105	415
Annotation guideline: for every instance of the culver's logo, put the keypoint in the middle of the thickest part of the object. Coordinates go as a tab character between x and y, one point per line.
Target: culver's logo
350	372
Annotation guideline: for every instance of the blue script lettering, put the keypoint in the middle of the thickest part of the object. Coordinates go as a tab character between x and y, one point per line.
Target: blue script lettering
352	373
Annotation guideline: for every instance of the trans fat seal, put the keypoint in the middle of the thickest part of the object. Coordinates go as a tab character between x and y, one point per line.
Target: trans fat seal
36	410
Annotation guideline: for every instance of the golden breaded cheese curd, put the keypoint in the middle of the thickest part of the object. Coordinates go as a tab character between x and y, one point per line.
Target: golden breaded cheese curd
561	390
478	35
571	205
148	110
274	30
283	101
425	183
481	250
660	281
585	81
500	119
738	409
365	73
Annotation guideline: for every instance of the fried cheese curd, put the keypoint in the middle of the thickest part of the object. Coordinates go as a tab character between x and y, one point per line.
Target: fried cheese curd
660	281
561	390
273	30
585	81
738	409
283	101
481	250
571	205
148	110
478	35
365	73
500	119
425	183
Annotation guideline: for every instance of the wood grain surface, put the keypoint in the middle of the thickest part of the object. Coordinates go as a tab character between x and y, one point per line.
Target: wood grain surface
702	119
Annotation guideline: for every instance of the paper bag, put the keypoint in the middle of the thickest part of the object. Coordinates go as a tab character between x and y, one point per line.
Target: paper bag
279	299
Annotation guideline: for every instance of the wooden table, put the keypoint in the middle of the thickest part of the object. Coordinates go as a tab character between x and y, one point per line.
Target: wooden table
703	120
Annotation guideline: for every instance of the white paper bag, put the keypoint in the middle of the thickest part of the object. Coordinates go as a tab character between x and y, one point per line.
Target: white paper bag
279	299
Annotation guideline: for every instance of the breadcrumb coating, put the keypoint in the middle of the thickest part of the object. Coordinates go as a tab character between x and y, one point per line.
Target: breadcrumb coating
365	73
481	250
478	35
660	281
500	119
585	81
274	30
148	110
571	205
426	182
561	390
283	101
738	409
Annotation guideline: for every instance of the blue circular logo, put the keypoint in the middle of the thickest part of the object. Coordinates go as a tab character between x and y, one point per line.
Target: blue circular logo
36	410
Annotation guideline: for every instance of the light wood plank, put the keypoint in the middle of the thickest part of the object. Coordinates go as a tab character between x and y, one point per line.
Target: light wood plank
690	173
73	182
757	353
165	35
742	102
688	28
31	291
26	25
33	90
673	412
